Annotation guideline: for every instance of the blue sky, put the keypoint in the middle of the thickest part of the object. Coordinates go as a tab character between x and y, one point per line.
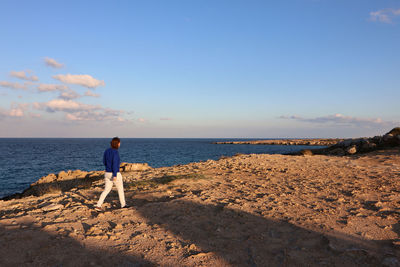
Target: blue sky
301	68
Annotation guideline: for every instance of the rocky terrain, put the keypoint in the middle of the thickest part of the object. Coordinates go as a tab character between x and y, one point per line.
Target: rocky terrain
359	145
286	142
336	146
247	210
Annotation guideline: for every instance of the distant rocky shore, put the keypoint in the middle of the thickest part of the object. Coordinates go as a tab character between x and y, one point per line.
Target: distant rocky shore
336	146
358	145
286	142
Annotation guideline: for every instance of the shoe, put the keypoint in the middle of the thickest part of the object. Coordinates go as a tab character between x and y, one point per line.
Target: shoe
125	207
97	209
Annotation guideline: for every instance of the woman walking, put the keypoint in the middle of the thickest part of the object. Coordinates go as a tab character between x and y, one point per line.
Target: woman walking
112	175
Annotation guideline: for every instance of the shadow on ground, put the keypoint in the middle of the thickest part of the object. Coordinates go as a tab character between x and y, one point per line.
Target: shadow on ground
243	239
215	235
27	245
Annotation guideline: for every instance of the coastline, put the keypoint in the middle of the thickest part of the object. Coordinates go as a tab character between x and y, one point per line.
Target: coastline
85	154
288	142
259	208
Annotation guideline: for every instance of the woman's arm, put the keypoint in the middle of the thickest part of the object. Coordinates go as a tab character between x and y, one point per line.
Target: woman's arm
115	164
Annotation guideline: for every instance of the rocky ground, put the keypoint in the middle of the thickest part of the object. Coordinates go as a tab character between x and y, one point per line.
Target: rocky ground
247	210
287	142
335	146
359	145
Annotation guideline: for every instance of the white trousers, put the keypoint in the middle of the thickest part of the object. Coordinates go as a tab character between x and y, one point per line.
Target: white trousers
108	186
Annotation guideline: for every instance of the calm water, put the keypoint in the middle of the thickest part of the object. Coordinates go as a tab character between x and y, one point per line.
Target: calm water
25	160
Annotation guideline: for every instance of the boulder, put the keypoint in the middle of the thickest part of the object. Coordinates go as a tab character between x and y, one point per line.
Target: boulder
358	141
129	167
62	175
377	139
46	179
78	174
351	150
360	145
395	131
306	152
371	146
387	137
390	140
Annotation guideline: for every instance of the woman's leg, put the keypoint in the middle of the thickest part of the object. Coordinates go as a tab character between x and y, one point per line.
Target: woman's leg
120	187
107	188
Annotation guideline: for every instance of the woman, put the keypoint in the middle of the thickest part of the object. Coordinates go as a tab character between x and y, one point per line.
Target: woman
112	175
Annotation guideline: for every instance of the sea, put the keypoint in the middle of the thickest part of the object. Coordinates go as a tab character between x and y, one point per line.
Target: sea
25	160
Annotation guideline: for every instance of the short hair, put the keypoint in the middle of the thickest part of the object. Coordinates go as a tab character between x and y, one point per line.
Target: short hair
114	142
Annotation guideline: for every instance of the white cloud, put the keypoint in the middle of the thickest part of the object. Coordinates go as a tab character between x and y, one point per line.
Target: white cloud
91	115
16	111
74	117
290	117
142	120
70	94
165	119
65	92
91	93
76	111
83	80
15	85
51	87
53	63
339	119
384	15
23	76
64	105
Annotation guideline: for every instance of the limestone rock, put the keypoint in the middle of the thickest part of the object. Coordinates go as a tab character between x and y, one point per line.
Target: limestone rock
47	179
62	175
387	137
128	167
307	142
395	131
371	146
365	145
52	206
351	150
306	152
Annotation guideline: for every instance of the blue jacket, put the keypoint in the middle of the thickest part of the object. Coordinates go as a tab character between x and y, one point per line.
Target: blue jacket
111	161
